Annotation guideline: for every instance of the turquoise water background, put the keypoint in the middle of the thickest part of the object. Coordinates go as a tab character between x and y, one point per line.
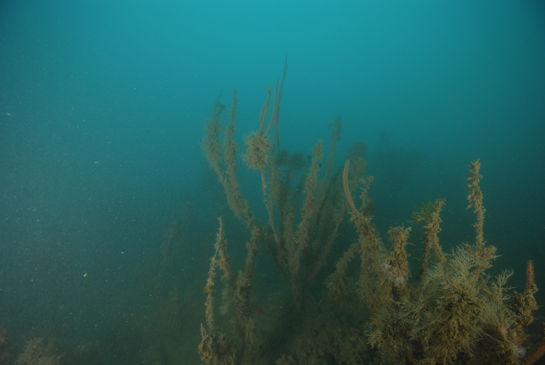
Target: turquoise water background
102	112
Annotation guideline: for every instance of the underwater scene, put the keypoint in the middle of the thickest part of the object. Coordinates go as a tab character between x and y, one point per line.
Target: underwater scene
288	182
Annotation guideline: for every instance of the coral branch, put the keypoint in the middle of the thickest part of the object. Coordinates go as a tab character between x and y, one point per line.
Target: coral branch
223	160
535	355
475	198
264	111
275	107
429	215
346	189
483	255
530	273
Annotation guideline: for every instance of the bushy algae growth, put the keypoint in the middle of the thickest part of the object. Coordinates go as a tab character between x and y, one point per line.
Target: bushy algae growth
451	313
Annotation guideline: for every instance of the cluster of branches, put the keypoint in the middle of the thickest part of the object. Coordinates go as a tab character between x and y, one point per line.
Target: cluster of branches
303	216
453	312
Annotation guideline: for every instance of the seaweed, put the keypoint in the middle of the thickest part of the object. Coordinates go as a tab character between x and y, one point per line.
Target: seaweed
452	313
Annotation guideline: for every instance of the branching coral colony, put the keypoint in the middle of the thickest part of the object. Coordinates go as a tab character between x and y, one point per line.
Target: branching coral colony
300	231
453	313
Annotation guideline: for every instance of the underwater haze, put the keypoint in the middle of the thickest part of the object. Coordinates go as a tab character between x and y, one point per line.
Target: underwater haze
109	207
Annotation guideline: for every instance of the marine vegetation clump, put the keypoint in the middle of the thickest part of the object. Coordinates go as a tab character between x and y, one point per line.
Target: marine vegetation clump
258	151
36	354
216	347
303	217
452	312
427	215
